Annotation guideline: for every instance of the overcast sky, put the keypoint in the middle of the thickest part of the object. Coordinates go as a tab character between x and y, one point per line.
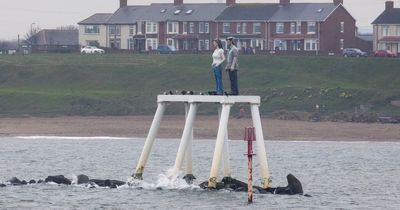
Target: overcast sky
18	15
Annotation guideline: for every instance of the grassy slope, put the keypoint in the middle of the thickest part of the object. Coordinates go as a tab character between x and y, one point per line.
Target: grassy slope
128	84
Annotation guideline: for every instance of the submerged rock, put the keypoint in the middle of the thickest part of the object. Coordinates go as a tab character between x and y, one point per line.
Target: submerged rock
32	181
24	182
14	181
294	186
83	179
3	185
40	181
107	183
59	179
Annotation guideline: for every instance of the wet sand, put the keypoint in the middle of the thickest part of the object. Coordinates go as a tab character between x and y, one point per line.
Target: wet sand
205	128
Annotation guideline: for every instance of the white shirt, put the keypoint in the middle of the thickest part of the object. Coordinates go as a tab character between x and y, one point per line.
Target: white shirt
218	57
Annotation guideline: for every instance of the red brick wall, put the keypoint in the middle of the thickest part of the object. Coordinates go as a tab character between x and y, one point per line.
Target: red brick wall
331	35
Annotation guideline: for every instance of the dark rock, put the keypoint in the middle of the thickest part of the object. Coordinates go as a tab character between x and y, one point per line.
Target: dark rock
32	181
83	179
59	179
107	183
3	185
189	178
40	181
14	181
24	182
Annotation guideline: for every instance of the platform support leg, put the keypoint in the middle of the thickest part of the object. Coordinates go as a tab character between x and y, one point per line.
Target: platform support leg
225	152
261	154
138	174
189	177
221	136
186	136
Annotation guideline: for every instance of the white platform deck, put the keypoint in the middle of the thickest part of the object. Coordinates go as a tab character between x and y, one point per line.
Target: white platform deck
209	99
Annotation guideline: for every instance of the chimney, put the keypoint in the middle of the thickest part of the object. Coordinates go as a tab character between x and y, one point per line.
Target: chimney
123	3
178	2
230	2
389	5
284	2
337	2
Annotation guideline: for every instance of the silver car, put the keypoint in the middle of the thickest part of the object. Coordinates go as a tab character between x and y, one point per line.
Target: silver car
92	50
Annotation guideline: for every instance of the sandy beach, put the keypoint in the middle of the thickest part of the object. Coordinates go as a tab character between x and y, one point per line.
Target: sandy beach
205	128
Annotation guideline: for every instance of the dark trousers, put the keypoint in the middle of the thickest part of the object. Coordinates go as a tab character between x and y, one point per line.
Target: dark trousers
234	82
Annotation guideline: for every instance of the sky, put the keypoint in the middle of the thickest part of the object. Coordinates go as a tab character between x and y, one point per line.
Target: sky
17	16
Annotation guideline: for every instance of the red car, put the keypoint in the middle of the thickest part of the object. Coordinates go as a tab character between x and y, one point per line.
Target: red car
384	53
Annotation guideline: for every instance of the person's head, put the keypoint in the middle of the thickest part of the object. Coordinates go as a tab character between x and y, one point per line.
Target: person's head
230	40
217	43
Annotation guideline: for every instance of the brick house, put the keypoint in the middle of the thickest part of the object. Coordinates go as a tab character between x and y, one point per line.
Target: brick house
284	26
387	29
54	40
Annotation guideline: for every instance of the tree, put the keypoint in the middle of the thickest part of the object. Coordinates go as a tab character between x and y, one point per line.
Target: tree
30	35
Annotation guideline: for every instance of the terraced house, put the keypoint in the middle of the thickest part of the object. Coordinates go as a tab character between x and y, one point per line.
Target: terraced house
262	27
387	29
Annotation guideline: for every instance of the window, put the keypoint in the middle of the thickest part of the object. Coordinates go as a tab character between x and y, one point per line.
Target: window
398	48
92	43
115	30
115	43
151	44
173	27
311	27
238	28
244	28
189	12
226	28
280	44
292	28
206	28
298	27
201	28
310	45
92	29
170	42
185	28
139	27
398	30
257	28
341	27
132	30
151	27
279	28
131	44
385	31
201	44
191	28
207	44
341	44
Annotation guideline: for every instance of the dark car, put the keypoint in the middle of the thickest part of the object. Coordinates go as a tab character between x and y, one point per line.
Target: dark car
354	52
166	49
384	53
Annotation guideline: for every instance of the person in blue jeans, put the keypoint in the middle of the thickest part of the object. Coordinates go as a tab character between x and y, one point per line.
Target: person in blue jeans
218	58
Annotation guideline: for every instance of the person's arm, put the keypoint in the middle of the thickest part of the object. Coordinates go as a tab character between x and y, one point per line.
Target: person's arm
234	60
221	54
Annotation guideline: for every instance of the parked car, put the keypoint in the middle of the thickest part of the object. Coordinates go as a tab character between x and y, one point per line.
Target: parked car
166	49
384	53
354	52
91	50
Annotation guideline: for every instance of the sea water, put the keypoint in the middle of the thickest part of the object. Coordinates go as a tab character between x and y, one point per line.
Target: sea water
338	175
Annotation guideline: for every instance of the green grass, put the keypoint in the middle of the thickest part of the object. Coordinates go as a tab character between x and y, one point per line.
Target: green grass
113	84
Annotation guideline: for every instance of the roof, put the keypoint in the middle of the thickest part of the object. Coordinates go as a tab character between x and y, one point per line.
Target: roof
98	18
390	39
390	16
188	12
56	37
248	12
127	15
304	12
